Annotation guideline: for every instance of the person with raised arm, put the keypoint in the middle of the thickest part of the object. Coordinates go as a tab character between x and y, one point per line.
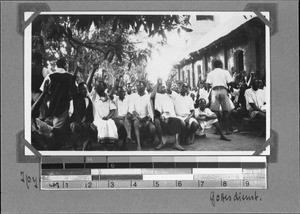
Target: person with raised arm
140	114
184	109
166	121
103	112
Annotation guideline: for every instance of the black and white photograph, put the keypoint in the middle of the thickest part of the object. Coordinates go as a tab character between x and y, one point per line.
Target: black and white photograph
149	106
160	82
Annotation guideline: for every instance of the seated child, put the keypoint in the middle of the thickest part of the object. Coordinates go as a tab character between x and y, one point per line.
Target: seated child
206	119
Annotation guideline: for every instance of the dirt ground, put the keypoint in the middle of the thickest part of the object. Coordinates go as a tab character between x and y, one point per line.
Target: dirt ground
247	141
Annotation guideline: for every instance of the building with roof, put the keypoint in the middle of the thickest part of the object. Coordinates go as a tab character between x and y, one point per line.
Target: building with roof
239	43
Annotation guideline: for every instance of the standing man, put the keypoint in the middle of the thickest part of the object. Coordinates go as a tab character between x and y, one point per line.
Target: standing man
62	87
141	114
220	80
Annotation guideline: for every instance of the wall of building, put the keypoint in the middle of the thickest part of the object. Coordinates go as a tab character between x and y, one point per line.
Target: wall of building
252	47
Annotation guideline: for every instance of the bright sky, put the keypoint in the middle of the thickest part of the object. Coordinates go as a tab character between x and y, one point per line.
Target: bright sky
161	63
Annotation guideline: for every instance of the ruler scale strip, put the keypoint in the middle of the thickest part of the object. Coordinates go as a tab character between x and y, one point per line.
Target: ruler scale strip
153	173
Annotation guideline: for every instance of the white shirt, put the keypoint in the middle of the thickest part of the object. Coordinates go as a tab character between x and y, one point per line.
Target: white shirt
203	94
129	96
46	72
206	111
261	95
253	97
141	104
219	77
165	105
101	106
183	104
122	106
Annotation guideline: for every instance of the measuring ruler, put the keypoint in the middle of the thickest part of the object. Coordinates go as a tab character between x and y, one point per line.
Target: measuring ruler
156	173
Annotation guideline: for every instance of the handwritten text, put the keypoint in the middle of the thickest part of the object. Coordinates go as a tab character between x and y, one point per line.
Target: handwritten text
237	196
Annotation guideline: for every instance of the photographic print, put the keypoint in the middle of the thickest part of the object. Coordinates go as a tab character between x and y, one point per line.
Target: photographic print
189	83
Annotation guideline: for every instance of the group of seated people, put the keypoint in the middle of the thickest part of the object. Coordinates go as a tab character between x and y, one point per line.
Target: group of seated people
67	115
247	96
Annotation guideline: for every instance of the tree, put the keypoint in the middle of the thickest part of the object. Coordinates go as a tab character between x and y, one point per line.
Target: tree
112	39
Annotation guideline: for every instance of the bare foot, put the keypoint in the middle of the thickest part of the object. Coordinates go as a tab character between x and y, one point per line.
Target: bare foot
161	145
192	139
128	140
178	147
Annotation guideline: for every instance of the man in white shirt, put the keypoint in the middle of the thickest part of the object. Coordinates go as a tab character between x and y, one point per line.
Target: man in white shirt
255	105
166	122
207	119
184	109
122	103
219	80
140	114
129	90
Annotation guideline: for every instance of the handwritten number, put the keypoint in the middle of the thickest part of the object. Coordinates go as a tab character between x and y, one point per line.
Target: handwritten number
224	183
156	184
35	182
179	183
29	179
134	184
247	183
22	175
201	183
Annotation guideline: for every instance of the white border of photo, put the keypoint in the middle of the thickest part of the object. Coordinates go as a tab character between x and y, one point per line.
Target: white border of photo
27	89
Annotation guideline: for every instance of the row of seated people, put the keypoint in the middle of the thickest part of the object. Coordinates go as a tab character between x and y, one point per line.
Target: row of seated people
95	116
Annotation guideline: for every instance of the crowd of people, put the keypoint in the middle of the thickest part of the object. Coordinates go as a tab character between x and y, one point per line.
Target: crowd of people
71	115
